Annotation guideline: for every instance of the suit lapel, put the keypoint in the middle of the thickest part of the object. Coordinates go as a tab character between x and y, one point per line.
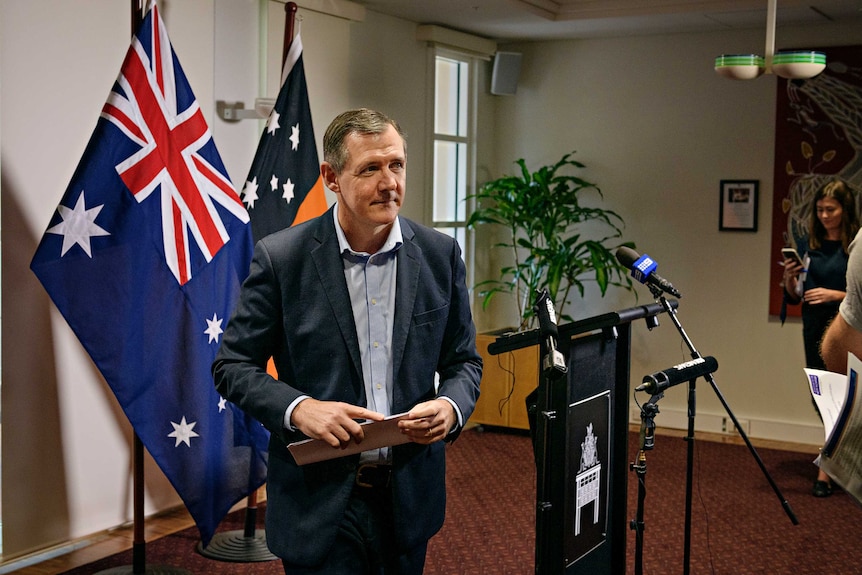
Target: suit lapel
330	270
407	286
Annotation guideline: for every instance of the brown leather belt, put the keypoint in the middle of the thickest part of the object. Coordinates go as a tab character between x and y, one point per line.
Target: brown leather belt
374	475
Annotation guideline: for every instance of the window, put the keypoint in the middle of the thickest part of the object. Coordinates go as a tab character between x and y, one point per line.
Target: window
454	146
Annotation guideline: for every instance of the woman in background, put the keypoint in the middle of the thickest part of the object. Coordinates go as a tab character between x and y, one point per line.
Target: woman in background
832	226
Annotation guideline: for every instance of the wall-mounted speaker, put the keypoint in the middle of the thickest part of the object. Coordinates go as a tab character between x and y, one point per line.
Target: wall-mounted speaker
504	76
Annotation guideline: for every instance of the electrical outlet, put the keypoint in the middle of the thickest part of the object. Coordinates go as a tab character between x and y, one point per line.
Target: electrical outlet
728	427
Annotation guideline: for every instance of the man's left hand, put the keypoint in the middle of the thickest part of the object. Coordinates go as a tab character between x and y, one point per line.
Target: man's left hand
429	421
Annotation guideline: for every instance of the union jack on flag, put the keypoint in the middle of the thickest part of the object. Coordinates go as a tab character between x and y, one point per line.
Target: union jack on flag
144	258
162	117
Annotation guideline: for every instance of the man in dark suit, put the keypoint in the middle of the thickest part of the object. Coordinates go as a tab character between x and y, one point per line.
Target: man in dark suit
365	314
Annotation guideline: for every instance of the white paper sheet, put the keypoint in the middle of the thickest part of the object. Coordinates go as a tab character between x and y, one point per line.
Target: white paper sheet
841	456
828	390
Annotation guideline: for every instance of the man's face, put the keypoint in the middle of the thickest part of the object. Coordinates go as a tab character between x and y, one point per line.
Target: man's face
371	185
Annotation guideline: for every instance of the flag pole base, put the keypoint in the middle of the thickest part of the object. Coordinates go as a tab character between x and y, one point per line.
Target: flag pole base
237	547
149	570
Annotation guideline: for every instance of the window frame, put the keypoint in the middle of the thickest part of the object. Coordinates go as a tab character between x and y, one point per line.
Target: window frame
469	140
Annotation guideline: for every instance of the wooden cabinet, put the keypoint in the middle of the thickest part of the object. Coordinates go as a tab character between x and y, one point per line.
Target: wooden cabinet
519	368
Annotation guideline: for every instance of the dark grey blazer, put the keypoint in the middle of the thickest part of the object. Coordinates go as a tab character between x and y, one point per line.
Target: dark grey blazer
294	306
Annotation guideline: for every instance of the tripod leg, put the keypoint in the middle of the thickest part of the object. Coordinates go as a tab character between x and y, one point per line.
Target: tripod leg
689	474
784	503
638	524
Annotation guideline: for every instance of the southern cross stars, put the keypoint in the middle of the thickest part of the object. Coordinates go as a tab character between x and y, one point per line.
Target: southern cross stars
294	137
250	189
249	192
287	194
183	432
272	125
78	226
213	329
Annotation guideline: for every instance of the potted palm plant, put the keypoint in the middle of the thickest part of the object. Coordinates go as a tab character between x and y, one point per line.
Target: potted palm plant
557	243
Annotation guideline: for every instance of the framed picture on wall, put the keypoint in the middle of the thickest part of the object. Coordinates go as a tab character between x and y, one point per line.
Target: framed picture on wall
738	205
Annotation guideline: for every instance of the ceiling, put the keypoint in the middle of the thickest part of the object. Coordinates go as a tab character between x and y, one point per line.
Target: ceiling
519	20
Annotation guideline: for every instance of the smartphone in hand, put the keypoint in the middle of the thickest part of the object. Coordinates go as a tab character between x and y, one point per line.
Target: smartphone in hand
791	254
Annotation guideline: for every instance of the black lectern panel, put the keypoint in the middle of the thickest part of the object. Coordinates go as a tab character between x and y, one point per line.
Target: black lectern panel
580	439
594	497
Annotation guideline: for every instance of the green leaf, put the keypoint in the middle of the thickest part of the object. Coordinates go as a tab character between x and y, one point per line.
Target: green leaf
543	215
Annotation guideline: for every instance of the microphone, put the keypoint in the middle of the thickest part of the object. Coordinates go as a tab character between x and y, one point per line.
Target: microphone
643	269
544	310
661	380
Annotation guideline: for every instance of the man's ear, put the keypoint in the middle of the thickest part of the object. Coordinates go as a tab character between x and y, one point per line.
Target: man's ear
327	173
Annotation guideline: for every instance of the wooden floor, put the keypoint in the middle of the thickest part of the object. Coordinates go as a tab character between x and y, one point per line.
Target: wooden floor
100	545
120	539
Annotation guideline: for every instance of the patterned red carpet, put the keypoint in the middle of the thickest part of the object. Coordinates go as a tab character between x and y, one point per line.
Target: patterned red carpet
738	524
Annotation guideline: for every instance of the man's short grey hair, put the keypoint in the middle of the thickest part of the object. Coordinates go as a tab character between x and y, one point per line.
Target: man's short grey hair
361	121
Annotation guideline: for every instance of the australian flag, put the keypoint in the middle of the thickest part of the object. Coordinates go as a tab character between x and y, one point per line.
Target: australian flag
284	186
144	258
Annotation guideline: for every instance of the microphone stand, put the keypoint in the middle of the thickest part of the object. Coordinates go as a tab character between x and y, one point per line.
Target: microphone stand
552	392
647	439
657	294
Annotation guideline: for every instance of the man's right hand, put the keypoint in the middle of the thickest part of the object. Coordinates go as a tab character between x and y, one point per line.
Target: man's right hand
332	421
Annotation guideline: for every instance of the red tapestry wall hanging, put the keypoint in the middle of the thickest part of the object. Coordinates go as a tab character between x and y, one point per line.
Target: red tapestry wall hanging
818	136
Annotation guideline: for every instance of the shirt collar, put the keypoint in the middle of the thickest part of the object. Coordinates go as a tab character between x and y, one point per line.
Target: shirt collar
393	242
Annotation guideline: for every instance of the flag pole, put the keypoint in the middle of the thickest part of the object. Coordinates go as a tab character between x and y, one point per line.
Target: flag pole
139	541
289	19
249	545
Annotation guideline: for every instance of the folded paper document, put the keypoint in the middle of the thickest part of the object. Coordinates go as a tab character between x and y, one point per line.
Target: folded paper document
377	434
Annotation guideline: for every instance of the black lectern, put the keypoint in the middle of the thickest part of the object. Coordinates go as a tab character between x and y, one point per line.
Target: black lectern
579	426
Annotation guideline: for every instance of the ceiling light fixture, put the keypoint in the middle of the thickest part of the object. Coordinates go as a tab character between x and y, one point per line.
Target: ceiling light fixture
792	64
